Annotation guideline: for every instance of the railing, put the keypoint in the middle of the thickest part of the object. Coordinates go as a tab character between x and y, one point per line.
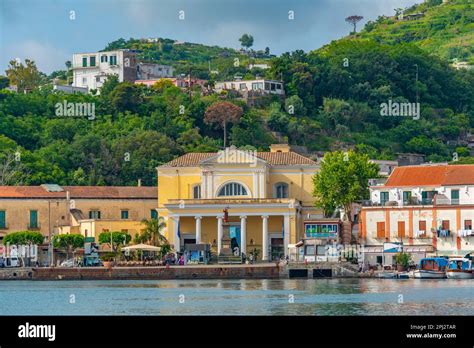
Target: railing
421	235
33	227
425	201
377	182
321	235
444	233
232	201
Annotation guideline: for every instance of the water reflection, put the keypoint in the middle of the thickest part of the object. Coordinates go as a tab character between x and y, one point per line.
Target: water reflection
239	297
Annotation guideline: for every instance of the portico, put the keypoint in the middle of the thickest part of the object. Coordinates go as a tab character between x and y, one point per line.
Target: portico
268	232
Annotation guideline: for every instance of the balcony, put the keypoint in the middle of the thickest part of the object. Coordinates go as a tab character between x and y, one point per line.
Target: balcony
33	227
233	201
421	234
324	235
439	200
444	233
377	182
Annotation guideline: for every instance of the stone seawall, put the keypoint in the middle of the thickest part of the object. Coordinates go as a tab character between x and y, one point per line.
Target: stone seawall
16	273
270	271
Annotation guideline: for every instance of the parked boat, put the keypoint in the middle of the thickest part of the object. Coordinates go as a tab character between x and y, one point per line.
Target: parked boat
459	268
387	275
431	268
403	275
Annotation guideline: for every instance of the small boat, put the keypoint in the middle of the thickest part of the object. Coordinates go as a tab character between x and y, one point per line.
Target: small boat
387	275
431	268
403	275
459	268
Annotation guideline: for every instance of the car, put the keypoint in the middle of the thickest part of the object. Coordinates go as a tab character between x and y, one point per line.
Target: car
68	263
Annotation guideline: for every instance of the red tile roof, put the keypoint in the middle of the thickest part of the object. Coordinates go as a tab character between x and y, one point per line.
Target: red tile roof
273	158
436	175
97	192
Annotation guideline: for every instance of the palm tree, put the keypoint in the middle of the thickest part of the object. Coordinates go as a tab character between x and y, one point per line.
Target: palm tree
152	231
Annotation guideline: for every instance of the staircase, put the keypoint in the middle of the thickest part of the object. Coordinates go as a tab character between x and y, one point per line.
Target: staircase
229	259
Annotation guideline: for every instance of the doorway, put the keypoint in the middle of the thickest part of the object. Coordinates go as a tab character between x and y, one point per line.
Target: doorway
234	234
277	248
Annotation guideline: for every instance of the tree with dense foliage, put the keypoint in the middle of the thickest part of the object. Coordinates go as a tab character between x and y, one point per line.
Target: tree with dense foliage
343	180
354	20
25	77
4	82
68	242
114	239
222	113
246	40
23	238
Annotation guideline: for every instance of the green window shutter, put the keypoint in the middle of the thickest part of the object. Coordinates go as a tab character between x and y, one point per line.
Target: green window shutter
33	218
124	214
84	62
154	214
406	196
92	61
3	219
454	194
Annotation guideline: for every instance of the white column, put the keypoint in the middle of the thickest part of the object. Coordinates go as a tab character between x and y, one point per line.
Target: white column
243	234
204	185
286	229
211	185
198	229
256	191
177	242
265	238
262	183
219	234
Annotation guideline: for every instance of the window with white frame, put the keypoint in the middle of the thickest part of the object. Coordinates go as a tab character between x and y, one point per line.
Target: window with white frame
281	190
232	189
197	191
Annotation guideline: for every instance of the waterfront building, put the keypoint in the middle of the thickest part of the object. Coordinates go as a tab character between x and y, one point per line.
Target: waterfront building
267	197
89	210
428	208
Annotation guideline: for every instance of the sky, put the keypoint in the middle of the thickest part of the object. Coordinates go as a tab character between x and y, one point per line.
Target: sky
43	30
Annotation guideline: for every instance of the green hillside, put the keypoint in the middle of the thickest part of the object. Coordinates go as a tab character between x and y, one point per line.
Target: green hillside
445	29
335	94
195	58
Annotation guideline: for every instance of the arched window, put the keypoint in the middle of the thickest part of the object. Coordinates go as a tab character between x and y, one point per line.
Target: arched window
197	191
232	189
281	190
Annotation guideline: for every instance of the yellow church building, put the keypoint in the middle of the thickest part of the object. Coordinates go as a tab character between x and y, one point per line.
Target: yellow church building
264	199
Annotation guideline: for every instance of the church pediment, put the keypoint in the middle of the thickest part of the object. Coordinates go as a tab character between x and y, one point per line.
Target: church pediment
234	156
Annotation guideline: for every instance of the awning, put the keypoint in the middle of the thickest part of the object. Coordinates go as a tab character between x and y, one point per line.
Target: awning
144	247
418	248
406	249
372	250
